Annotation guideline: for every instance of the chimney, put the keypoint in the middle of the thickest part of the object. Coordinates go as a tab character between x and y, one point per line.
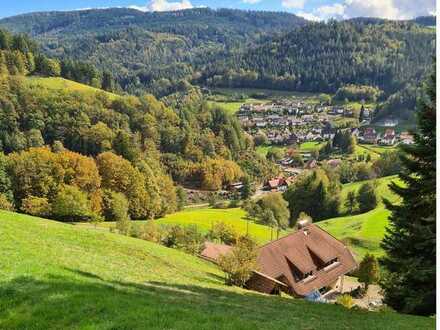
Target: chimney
303	223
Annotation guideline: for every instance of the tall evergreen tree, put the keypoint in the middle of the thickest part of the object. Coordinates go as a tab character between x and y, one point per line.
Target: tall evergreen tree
362	114
410	241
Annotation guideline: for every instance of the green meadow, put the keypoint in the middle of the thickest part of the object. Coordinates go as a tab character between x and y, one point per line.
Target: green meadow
59	276
54	83
205	217
363	232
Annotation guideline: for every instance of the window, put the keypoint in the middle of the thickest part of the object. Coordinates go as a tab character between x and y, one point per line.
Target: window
308	274
331	262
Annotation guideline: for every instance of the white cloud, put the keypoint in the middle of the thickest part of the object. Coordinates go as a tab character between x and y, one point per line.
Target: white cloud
335	10
164	5
391	9
308	16
251	2
297	4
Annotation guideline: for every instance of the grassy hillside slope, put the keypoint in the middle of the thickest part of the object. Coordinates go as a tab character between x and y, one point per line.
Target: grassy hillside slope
55	83
55	275
363	232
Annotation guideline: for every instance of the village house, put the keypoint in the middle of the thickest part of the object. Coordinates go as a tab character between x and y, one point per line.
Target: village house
406	138
370	135
276	184
355	132
328	131
389	137
334	162
311	164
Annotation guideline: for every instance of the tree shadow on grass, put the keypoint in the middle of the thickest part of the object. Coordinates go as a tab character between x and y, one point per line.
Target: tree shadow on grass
81	300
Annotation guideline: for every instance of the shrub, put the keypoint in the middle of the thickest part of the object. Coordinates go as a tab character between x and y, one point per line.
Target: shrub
275	203
368	270
71	204
115	206
38	206
350	202
182	198
5	204
224	233
389	163
240	262
186	239
148	232
345	300
234	203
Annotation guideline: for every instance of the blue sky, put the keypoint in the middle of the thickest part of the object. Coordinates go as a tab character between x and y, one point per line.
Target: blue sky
311	9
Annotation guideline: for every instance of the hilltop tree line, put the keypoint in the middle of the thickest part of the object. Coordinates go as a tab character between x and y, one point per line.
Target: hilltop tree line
19	55
154	51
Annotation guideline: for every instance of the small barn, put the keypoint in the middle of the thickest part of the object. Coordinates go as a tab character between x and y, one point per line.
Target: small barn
212	251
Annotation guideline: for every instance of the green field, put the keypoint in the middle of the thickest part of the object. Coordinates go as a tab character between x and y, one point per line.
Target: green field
304	147
230	107
233	106
59	276
64	84
381	185
204	218
311	146
377	149
363	232
263	150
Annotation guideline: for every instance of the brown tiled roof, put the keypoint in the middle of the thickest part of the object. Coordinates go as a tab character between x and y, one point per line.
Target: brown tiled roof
306	250
212	251
274	183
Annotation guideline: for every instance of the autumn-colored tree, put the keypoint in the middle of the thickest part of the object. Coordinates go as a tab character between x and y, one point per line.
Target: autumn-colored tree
35	172
80	171
38	206
239	263
119	175
215	173
5	204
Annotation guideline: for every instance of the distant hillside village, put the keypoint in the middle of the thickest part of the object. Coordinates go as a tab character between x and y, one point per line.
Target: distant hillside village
287	122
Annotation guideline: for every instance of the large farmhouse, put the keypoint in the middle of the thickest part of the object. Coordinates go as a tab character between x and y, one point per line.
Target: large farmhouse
307	262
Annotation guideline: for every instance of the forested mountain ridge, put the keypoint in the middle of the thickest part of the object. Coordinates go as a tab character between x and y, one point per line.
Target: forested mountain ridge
322	57
225	47
149	50
161	52
176	22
